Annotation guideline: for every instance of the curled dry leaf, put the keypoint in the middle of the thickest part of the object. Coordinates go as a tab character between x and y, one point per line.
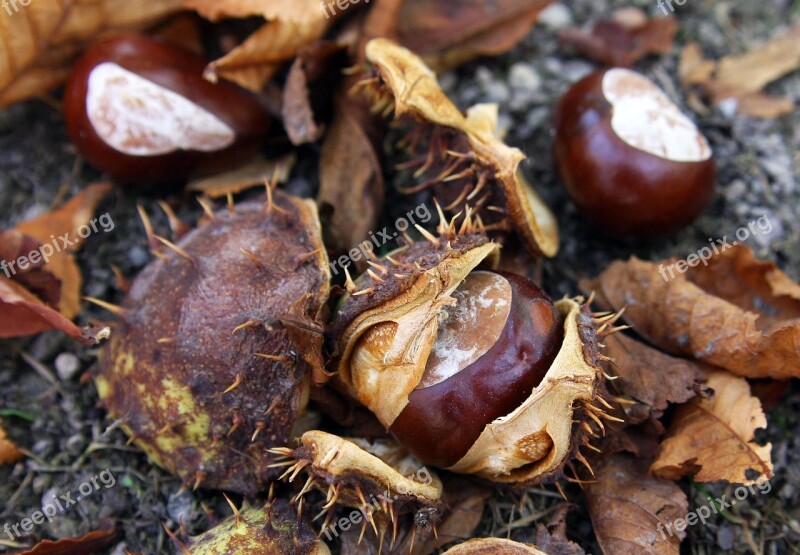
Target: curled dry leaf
552	537
628	508
713	438
42	38
625	38
92	542
654	379
450	33
26	314
461	157
8	451
737	312
59	229
743	78
252	174
289	26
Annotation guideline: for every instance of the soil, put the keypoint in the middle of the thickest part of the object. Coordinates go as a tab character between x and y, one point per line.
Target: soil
53	416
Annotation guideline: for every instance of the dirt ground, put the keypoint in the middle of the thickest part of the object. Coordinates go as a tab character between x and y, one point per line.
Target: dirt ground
68	440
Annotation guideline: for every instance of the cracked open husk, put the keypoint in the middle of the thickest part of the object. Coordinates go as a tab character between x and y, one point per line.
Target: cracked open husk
484	171
384	342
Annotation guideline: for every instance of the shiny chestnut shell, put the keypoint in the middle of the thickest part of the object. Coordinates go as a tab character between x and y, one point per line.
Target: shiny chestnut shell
622	189
442	421
180	72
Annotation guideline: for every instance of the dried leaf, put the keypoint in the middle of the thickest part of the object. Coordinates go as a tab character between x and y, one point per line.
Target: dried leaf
42	38
65	222
290	25
8	451
713	438
25	314
37	278
450	33
651	377
624	39
552	538
307	94
743	78
737	312
627	507
351	175
244	177
87	544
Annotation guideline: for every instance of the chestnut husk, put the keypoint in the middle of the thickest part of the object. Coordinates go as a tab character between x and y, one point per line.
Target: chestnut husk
211	359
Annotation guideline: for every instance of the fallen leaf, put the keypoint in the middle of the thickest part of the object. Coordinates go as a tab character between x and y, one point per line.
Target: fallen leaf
351	185
37	278
43	37
308	90
65	222
743	78
737	312
25	314
651	377
552	538
244	177
714	438
624	39
289	26
450	33
630	510
87	544
8	451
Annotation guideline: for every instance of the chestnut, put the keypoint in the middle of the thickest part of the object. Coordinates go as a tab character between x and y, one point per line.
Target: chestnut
140	110
631	161
493	347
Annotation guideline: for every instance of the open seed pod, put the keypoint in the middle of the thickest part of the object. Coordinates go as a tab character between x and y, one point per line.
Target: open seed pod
473	371
210	362
461	157
271	529
377	477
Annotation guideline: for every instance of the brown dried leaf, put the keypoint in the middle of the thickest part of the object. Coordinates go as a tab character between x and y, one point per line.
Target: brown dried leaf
447	34
87	544
651	377
24	314
627	507
244	177
290	25
737	312
8	451
351	175
624	39
52	226
552	538
41	39
743	77
713	438
37	278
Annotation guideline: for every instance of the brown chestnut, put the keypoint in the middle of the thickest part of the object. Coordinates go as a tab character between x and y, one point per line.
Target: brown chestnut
493	347
140	110
631	161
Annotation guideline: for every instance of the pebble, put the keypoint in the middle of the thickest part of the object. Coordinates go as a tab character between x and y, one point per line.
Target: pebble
523	77
75	444
67	366
556	16
138	256
725	537
180	506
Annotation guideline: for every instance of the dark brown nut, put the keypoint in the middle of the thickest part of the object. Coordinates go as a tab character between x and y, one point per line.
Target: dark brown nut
211	359
140	110
630	160
386	335
269	530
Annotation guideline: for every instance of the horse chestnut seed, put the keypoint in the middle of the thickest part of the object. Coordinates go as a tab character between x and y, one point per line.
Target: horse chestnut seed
630	160
140	110
494	346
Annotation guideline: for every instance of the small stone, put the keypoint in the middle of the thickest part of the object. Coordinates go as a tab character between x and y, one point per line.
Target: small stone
556	16
41	483
725	537
43	447
180	506
67	366
75	444
497	92
138	256
523	77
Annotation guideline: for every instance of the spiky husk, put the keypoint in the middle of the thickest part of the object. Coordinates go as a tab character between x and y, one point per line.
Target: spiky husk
209	363
493	546
274	528
460	156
